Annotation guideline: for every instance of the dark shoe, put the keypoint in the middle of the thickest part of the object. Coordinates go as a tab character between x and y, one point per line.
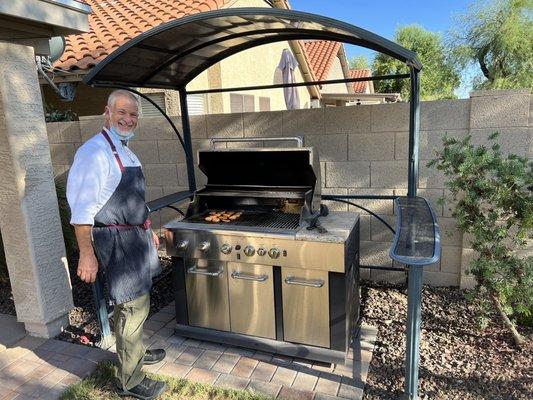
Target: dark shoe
148	389
153	356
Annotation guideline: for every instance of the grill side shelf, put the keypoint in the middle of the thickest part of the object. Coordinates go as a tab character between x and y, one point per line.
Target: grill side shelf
417	237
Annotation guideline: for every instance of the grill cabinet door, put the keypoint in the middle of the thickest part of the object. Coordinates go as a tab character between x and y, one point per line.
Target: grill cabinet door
207	295
305	296
251	296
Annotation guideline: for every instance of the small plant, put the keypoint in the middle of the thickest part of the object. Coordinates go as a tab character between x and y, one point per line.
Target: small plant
494	205
54	114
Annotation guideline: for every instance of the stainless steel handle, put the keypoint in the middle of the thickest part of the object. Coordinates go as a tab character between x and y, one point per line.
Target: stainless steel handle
248	277
299	140
203	271
302	282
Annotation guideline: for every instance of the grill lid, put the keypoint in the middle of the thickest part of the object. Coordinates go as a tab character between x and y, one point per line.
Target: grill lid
259	167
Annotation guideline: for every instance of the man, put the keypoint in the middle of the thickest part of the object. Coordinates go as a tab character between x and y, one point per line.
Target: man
106	194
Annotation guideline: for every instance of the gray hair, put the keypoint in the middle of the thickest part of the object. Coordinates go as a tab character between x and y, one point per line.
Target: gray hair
112	99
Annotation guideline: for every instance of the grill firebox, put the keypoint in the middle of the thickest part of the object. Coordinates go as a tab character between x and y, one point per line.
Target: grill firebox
254	219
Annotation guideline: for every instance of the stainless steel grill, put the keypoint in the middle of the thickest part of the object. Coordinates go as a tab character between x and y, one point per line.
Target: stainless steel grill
287	287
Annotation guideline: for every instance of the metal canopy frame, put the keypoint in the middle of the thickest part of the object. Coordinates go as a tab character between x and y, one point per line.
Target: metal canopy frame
171	55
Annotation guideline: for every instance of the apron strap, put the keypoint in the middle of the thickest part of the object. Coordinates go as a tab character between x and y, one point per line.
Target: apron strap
113	149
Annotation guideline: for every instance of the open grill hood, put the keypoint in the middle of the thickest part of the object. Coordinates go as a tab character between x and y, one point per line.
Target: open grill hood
270	167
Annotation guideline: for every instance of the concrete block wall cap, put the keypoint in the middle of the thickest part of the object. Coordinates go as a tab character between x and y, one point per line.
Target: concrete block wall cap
501	92
90	117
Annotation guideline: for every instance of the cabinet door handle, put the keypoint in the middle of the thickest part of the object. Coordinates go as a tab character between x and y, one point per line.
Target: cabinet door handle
290	280
249	277
203	271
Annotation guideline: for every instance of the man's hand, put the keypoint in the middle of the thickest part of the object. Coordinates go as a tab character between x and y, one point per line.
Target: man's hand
87	267
155	239
88	264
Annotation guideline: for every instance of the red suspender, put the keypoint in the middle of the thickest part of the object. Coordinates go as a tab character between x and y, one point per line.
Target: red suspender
114	150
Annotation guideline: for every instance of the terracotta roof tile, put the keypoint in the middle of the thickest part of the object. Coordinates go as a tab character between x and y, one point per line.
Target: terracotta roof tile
360	87
321	55
113	22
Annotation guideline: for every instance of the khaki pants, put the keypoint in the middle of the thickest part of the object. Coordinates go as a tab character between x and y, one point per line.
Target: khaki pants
129	319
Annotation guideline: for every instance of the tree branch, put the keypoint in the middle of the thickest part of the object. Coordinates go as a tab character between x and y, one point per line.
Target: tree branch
483	65
518	339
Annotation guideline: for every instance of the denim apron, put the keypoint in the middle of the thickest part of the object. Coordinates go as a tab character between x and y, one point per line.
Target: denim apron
122	237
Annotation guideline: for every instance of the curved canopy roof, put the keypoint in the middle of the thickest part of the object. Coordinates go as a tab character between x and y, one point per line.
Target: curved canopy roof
172	54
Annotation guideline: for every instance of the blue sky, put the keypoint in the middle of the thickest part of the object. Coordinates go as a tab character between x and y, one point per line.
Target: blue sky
383	17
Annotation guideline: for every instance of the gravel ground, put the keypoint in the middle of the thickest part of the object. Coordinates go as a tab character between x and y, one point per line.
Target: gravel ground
7	305
458	361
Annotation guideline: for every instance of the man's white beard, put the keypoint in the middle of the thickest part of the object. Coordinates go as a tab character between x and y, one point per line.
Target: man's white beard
122	133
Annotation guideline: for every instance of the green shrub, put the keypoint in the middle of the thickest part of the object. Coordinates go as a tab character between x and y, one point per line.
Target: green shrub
54	114
494	205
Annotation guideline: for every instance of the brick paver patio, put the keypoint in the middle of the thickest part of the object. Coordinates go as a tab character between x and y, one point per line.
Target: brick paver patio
36	368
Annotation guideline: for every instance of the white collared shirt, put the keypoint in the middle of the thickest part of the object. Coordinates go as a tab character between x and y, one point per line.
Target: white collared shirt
94	176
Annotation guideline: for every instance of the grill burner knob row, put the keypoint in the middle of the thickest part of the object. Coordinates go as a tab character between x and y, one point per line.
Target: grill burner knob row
274	253
204	246
249	250
261	251
225	248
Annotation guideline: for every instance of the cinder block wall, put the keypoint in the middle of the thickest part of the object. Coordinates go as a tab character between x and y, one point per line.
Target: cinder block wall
363	150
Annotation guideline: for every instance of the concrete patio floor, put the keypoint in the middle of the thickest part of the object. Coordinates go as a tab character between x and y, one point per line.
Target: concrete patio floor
34	368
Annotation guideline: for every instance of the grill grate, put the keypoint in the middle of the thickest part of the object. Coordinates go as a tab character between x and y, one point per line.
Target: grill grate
257	219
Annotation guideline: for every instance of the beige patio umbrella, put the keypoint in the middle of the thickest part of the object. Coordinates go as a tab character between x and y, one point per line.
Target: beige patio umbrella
287	65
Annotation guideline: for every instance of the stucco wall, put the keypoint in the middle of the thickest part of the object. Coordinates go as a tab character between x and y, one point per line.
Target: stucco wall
363	150
258	66
335	73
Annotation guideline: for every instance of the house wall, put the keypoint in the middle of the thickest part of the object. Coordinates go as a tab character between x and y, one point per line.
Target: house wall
363	150
335	73
258	66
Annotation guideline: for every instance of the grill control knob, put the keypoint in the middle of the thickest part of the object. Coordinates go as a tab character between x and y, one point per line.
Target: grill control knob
249	250
225	248
204	246
261	251
182	245
274	253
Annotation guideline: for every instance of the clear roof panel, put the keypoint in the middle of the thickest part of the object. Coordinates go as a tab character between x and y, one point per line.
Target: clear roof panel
172	54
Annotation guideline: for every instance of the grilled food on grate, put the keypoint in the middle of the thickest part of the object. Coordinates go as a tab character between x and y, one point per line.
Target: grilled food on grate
222	216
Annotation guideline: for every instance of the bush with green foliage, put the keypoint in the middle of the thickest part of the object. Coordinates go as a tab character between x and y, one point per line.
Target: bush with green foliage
439	78
497	37
54	114
493	196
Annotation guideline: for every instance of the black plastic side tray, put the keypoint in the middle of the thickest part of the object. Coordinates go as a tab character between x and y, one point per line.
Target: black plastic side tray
417	237
168	200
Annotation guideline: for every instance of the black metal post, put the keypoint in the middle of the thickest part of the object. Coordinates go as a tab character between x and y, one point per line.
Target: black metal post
415	273
414	132
187	138
101	312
